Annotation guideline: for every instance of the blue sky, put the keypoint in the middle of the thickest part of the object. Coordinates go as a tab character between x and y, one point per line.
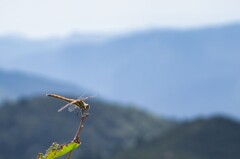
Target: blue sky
45	18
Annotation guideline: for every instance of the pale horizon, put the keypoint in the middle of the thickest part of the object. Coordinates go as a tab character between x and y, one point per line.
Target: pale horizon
59	18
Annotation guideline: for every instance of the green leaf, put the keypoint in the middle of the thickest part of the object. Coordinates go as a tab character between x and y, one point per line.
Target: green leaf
53	147
55	150
40	156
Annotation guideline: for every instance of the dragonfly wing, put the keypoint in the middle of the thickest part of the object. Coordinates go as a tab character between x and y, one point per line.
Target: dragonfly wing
65	106
89	97
72	107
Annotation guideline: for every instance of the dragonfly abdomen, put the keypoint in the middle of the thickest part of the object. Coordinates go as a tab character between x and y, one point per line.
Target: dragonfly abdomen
60	97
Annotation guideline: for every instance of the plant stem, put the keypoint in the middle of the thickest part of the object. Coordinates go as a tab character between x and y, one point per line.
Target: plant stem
77	135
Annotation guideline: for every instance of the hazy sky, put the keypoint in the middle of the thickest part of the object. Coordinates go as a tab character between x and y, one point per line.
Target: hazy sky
43	18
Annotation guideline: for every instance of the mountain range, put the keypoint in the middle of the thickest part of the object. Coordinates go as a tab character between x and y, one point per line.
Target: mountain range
180	73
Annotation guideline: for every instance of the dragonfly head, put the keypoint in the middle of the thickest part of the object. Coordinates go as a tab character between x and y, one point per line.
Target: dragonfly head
87	106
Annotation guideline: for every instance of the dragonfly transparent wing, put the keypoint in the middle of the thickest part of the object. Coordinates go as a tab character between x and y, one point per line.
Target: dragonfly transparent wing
72	107
65	106
85	98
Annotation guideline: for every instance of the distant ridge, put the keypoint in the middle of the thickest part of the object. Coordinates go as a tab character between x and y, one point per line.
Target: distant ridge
15	84
180	73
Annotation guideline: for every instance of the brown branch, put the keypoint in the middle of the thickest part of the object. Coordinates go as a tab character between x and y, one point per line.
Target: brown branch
69	155
77	135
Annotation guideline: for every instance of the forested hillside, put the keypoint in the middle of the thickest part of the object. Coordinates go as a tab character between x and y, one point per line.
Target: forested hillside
30	126
214	138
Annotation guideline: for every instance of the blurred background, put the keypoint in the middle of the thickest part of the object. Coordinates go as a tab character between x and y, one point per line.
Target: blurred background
166	74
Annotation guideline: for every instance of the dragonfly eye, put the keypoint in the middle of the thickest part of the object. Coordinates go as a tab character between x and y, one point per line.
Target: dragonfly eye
87	107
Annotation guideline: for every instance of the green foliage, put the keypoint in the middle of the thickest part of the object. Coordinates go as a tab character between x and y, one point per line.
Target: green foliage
53	147
55	150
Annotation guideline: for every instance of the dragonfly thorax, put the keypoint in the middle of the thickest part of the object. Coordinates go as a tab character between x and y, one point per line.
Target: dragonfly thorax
82	105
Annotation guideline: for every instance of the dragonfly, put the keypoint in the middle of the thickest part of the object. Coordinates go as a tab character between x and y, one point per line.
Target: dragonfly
73	104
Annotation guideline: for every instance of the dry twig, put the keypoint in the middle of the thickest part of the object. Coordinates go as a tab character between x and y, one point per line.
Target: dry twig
77	135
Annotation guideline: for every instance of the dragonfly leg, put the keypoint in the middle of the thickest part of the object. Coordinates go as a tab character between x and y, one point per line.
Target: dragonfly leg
84	112
79	112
